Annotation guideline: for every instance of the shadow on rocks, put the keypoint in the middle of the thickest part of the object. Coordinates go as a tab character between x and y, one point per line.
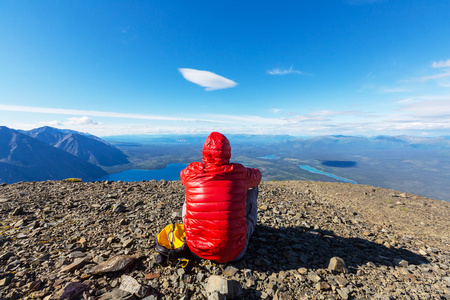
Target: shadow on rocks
291	248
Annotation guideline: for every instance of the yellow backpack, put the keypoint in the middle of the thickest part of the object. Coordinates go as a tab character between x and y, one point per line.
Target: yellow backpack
171	243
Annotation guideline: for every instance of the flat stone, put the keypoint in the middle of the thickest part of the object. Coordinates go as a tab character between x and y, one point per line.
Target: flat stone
117	294
152	275
73	290
127	243
313	277
5	281
118	208
322	286
229	288
77	264
132	286
77	254
230	270
341	280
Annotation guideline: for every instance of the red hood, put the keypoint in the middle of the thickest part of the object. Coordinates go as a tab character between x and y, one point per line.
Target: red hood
216	150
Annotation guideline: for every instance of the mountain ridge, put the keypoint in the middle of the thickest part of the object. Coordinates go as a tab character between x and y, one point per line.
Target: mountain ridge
84	146
24	158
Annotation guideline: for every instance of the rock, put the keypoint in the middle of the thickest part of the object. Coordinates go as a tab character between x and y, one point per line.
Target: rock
118	208
313	277
18	211
322	286
341	280
342	293
117	263
5	281
82	241
228	288
117	294
230	271
127	243
247	273
132	286
337	264
73	290
152	275
76	254
176	215
77	264
6	255
216	296
401	262
35	286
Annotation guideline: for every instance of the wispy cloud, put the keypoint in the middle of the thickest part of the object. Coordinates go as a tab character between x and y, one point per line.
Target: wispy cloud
428	78
413	115
441	64
61	111
434	108
209	80
278	71
441	78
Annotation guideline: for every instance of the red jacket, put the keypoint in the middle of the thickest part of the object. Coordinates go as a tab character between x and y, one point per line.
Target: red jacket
216	193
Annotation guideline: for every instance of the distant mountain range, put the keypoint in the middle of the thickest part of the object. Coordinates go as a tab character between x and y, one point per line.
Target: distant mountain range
327	140
87	147
419	165
51	154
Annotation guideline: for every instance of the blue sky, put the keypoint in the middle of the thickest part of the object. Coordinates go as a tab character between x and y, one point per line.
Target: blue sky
305	68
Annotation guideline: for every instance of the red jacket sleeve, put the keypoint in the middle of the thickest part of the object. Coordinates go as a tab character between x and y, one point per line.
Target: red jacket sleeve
254	177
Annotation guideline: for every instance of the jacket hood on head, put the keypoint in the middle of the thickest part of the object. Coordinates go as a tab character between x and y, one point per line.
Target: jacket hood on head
216	150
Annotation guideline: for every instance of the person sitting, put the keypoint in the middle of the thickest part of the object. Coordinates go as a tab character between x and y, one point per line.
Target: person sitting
220	210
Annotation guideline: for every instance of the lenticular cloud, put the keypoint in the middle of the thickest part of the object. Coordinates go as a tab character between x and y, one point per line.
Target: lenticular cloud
209	80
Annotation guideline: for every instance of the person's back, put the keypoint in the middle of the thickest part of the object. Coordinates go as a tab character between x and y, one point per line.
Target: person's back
216	210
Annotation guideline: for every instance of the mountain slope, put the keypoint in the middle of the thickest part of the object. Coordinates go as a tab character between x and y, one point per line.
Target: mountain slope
23	158
87	147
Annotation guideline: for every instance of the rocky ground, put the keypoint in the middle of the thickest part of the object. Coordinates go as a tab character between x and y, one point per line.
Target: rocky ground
314	240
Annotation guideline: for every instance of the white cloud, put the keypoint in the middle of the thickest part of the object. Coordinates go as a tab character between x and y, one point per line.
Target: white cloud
428	78
284	72
209	80
413	116
422	99
80	121
276	110
434	108
61	111
441	64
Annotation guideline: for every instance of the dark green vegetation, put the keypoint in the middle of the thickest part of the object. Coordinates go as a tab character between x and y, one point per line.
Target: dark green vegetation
415	165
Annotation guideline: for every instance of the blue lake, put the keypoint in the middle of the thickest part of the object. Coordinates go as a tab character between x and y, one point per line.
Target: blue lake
171	172
313	170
